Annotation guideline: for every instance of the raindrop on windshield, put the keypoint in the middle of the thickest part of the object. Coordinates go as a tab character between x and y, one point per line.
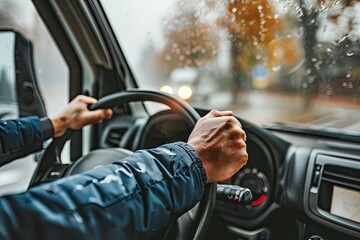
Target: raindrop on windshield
342	39
347	84
349	54
276	68
168	58
330	92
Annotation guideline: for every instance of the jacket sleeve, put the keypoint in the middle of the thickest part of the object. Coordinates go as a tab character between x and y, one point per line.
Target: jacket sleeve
134	198
22	136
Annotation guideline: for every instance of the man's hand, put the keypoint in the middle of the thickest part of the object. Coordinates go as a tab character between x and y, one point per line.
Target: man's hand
76	115
219	141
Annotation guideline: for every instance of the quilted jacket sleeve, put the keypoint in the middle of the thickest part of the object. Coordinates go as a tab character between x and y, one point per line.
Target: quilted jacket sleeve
22	136
134	198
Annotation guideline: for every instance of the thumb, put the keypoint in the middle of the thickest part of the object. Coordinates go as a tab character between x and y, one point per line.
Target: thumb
217	113
97	115
86	99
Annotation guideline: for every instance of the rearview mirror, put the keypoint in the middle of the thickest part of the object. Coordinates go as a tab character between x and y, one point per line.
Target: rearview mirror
19	93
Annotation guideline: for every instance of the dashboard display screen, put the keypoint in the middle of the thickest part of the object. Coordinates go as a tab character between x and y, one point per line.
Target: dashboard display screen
346	203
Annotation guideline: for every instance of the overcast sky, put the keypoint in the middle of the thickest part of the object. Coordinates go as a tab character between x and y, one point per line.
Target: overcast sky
139	21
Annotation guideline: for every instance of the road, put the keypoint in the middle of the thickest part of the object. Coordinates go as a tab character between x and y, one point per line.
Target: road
270	107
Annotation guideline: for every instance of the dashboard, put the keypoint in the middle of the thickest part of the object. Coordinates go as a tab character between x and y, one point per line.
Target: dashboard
304	186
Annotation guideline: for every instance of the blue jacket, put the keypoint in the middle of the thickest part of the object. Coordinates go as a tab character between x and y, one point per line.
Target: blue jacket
134	198
22	136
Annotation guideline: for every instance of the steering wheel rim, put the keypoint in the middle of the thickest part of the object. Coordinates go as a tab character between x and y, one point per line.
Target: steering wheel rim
51	156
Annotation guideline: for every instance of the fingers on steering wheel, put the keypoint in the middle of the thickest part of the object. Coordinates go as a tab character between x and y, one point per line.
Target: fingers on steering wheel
217	113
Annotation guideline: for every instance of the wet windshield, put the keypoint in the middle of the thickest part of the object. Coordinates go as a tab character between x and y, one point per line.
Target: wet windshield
270	61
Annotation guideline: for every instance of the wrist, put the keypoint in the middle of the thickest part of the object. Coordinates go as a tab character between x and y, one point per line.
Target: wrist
60	125
197	163
203	156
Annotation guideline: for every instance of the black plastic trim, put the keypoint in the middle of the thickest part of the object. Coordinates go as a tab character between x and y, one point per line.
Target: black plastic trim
324	157
57	31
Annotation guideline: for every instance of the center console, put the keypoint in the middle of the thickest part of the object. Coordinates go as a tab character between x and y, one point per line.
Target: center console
332	194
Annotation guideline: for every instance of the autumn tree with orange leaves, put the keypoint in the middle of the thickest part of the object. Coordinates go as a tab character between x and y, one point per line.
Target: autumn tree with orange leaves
251	24
190	40
253	20
256	31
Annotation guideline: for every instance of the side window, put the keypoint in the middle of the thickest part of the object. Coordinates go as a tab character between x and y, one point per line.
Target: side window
52	75
51	69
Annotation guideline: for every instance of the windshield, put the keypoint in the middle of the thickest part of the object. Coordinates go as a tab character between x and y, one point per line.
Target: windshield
270	61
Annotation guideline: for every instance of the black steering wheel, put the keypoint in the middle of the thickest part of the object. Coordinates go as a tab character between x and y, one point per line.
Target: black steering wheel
195	222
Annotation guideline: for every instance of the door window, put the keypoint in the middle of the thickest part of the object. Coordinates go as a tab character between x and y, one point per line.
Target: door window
52	75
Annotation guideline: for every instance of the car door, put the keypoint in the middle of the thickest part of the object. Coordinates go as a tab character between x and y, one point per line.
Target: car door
33	79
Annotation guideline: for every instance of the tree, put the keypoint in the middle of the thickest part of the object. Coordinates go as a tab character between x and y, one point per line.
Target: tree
251	25
190	40
321	19
253	21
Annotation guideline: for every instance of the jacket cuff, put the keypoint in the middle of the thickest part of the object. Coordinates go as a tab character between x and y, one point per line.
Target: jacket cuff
197	163
48	129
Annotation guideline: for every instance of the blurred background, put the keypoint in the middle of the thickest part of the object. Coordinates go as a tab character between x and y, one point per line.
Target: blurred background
294	61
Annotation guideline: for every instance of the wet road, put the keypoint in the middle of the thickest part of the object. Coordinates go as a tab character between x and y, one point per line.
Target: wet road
264	107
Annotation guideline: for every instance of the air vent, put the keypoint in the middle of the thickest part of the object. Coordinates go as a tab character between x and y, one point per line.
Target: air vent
341	175
336	178
114	137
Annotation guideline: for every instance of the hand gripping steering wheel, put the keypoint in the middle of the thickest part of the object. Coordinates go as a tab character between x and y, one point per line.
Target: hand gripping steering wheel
196	221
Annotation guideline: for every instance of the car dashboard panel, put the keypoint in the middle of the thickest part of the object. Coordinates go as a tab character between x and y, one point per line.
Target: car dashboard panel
303	185
332	194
